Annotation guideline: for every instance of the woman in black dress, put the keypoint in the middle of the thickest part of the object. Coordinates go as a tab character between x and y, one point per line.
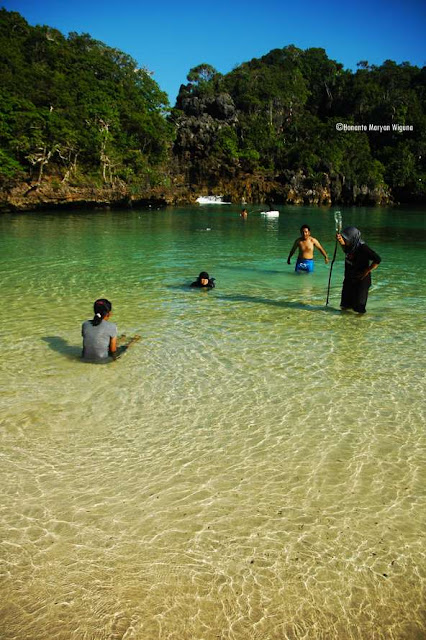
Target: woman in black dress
360	261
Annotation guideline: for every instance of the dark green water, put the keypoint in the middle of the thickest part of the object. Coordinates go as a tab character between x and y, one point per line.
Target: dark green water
252	468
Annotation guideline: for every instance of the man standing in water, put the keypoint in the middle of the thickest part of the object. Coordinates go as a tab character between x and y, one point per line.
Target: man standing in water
306	244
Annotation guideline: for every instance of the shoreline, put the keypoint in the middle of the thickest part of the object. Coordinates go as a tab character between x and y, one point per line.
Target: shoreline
248	189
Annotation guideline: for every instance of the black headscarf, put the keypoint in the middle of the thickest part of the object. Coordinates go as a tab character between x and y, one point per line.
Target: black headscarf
352	238
204	276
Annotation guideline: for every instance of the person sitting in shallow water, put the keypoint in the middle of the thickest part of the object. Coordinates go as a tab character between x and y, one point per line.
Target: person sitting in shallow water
99	335
204	280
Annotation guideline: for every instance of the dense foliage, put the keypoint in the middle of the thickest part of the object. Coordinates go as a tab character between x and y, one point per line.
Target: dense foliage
282	118
77	111
73	107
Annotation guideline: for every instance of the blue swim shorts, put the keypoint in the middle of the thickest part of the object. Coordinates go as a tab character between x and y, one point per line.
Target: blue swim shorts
304	265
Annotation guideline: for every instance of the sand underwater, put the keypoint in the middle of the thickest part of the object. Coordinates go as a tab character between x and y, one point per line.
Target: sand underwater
253	468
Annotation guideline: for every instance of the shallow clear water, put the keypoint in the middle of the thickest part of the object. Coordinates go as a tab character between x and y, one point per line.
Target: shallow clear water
253	468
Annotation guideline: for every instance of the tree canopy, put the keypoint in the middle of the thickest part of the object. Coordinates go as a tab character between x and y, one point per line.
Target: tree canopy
78	111
288	106
72	105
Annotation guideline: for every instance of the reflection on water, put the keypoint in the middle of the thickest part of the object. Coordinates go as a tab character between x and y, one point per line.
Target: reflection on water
252	468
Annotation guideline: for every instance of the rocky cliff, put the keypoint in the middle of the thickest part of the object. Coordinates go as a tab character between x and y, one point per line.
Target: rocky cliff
294	188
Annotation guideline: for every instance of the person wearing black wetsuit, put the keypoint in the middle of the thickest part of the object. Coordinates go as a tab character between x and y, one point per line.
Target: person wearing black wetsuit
204	281
360	261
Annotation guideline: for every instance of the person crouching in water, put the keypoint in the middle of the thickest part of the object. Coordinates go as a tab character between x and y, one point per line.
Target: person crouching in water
306	245
360	261
99	335
203	280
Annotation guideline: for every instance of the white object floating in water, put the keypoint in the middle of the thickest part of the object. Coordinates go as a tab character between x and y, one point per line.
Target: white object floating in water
211	200
270	214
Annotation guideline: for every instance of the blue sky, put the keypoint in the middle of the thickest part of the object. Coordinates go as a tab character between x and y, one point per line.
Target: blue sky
171	37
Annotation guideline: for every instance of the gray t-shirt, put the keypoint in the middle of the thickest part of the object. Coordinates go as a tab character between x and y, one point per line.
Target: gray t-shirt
96	339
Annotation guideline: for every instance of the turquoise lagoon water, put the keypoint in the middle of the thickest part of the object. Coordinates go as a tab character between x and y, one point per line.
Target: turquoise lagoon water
253	468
